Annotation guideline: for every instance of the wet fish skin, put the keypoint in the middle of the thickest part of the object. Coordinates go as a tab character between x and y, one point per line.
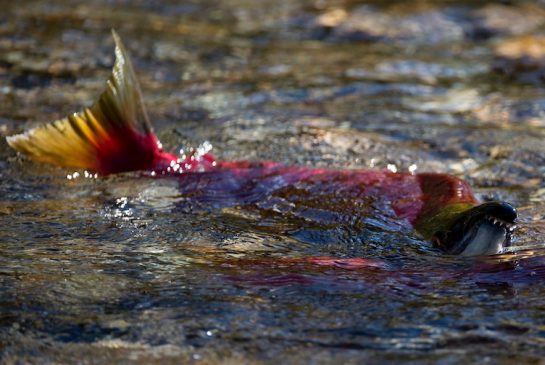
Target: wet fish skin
115	135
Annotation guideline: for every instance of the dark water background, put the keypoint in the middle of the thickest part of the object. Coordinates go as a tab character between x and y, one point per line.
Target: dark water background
114	271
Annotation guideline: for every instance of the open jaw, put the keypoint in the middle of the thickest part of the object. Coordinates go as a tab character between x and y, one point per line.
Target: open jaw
483	230
487	237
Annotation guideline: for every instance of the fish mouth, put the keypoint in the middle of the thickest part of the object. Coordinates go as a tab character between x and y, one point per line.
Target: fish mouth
482	230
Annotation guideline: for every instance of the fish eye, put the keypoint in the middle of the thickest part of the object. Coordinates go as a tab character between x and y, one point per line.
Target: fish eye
440	238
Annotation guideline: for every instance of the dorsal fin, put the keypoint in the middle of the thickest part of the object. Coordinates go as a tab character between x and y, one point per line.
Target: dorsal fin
113	135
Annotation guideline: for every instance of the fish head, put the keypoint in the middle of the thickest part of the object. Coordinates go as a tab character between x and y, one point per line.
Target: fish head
482	230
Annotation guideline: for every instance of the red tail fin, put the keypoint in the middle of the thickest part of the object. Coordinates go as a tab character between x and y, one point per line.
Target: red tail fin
113	135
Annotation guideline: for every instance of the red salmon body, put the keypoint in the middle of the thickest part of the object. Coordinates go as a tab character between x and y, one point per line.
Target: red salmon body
305	191
115	135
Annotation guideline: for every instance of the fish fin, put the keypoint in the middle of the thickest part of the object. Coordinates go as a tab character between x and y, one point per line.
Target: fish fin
113	135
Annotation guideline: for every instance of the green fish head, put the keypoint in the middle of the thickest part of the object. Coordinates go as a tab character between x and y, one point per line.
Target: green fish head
484	229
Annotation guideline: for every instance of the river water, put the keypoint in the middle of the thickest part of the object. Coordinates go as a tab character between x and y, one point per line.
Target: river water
121	269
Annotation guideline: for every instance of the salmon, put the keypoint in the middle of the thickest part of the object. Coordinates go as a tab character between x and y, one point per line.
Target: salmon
115	135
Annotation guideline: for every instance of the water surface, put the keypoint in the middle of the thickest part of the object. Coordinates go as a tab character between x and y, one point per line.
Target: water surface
128	269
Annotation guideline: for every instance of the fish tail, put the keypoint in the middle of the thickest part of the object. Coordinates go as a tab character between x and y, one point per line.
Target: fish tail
113	135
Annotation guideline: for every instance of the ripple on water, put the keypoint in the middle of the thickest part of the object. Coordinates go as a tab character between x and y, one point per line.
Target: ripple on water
130	268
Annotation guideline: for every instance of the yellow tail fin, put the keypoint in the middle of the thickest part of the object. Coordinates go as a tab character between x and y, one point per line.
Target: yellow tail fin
112	135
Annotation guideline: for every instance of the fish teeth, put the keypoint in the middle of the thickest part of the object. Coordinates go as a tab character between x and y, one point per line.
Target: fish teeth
501	223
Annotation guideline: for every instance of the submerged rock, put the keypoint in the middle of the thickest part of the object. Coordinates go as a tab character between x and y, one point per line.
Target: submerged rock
521	57
497	19
367	23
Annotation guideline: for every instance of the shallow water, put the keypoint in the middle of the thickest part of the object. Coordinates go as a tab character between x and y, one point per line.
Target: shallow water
128	269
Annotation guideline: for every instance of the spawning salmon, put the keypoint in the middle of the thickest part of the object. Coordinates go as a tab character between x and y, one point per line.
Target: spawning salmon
115	135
